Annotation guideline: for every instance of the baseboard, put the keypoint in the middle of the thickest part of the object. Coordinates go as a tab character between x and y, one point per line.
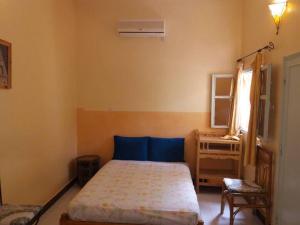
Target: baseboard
52	201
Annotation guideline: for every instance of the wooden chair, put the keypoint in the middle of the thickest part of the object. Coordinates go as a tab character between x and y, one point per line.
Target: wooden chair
257	195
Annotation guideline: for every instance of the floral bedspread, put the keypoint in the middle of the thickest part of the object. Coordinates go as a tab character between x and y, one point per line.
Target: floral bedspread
140	193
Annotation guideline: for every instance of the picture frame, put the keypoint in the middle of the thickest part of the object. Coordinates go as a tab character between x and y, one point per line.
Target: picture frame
5	64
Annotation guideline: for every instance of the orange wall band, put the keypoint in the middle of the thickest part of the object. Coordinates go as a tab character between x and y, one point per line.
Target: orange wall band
97	128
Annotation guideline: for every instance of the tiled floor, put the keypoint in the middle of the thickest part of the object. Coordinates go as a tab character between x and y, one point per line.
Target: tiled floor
209	202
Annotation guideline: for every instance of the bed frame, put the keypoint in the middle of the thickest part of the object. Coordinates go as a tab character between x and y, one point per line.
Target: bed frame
65	220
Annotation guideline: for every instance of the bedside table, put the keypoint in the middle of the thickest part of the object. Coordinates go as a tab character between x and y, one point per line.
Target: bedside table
87	167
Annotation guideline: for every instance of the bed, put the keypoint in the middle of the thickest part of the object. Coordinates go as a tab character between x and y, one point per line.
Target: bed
136	192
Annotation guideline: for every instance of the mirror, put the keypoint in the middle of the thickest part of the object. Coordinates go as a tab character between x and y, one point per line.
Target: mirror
222	88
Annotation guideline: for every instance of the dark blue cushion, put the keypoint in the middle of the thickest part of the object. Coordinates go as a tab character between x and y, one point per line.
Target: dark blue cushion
166	149
131	148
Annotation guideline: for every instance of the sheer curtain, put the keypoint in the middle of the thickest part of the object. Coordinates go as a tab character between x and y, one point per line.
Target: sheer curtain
244	105
250	151
234	124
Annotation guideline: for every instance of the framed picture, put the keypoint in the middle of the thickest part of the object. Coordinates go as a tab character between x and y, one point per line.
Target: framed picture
5	64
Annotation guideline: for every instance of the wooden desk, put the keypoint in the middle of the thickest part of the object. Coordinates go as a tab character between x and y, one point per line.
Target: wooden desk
217	148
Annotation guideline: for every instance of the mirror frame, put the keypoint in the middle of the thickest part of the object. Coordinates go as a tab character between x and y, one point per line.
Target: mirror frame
213	98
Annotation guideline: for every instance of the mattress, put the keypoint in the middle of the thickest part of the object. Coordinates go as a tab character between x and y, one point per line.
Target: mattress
138	193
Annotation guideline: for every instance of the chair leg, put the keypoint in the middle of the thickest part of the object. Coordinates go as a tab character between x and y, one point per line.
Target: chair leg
231	209
254	210
222	199
268	216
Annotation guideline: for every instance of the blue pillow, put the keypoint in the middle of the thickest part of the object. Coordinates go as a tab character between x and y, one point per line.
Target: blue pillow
166	149
131	148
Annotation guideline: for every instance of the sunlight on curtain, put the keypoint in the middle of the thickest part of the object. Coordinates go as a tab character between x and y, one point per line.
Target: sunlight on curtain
234	126
243	101
250	150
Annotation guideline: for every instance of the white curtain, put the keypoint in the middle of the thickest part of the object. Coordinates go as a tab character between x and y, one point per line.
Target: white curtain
235	118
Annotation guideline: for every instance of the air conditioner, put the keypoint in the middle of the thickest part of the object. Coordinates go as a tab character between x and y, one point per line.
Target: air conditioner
141	28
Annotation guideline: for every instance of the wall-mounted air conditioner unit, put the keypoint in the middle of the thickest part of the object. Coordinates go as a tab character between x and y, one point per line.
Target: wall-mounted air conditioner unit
141	28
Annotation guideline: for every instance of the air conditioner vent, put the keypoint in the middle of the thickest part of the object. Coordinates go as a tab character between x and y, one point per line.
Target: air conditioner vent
141	28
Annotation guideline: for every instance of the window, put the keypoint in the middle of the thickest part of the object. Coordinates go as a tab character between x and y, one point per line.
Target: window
243	100
222	96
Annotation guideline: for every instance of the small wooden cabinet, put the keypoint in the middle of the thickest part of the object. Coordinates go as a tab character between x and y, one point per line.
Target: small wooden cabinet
217	148
87	167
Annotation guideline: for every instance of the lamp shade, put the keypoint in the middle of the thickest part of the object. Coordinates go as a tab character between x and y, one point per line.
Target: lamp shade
277	10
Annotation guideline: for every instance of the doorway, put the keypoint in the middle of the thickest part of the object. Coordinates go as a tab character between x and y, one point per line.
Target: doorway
289	160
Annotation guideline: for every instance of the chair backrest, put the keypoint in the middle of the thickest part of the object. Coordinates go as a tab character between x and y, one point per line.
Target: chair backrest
264	163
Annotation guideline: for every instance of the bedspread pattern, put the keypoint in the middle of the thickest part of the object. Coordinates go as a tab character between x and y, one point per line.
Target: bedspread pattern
139	193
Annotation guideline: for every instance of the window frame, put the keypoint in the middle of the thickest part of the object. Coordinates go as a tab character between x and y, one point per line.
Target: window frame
267	98
214	97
